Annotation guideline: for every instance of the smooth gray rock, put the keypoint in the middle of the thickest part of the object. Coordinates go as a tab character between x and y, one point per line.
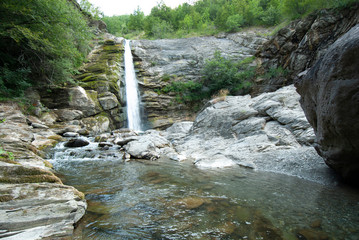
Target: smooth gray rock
71	134
40	211
108	101
81	99
178	130
268	133
299	45
74	143
330	99
147	146
68	114
159	62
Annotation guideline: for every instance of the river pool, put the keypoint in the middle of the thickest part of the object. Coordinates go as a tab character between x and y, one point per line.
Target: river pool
167	199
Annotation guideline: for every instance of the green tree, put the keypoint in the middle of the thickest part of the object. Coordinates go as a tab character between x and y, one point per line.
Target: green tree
136	20
45	42
90	9
117	25
234	23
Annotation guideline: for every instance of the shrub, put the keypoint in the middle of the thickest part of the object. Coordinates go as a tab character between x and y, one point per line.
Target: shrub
219	73
186	92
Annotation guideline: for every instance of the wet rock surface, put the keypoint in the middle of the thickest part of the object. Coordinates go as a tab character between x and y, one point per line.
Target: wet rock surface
73	143
97	104
330	93
39	211
33	202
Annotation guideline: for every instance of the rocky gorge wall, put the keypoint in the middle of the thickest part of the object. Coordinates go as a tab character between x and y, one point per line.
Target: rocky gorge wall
299	45
158	62
330	100
34	204
97	103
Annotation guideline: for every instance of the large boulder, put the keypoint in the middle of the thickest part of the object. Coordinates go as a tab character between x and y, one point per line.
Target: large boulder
330	99
268	133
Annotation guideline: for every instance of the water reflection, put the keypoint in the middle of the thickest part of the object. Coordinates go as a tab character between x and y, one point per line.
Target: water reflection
171	200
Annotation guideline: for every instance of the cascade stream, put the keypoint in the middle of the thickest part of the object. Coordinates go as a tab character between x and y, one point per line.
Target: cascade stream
132	94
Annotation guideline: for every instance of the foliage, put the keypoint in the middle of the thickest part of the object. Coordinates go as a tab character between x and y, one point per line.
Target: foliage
90	9
13	82
222	73
117	25
276	73
186	92
208	17
45	42
221	76
9	155
234	23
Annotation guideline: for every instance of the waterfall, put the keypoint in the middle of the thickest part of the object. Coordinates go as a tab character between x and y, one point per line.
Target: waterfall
132	93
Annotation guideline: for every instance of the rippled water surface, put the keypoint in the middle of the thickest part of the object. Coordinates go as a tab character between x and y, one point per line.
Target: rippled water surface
165	199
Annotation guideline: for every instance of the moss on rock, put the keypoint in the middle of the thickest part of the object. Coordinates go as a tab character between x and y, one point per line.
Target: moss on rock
22	174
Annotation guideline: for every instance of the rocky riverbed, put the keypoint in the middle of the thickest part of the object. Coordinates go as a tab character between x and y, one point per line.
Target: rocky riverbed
267	133
34	204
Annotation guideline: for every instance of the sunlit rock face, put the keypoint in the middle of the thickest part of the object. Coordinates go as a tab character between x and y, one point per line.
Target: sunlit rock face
269	132
330	99
159	62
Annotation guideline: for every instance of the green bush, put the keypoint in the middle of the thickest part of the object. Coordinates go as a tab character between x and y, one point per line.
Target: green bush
186	92
276	73
218	73
221	73
13	82
234	23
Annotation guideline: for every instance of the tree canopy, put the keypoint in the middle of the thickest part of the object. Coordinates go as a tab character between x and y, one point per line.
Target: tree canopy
207	17
41	42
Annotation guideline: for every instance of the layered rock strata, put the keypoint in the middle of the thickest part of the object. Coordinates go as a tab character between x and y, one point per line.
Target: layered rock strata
97	104
299	45
34	204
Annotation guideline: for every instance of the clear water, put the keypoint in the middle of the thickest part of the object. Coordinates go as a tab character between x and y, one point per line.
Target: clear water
165	199
132	96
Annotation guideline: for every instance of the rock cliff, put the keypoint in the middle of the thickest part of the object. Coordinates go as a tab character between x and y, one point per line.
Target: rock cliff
299	45
97	104
160	61
330	99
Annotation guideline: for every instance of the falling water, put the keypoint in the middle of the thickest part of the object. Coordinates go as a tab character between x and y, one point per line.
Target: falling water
132	96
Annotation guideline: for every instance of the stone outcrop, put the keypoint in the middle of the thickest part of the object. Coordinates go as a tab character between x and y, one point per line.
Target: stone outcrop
97	104
330	99
268	132
33	202
159	62
299	45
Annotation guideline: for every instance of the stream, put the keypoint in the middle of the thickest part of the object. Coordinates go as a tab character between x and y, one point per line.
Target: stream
166	199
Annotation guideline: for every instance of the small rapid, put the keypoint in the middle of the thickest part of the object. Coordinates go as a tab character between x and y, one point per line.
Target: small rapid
132	93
